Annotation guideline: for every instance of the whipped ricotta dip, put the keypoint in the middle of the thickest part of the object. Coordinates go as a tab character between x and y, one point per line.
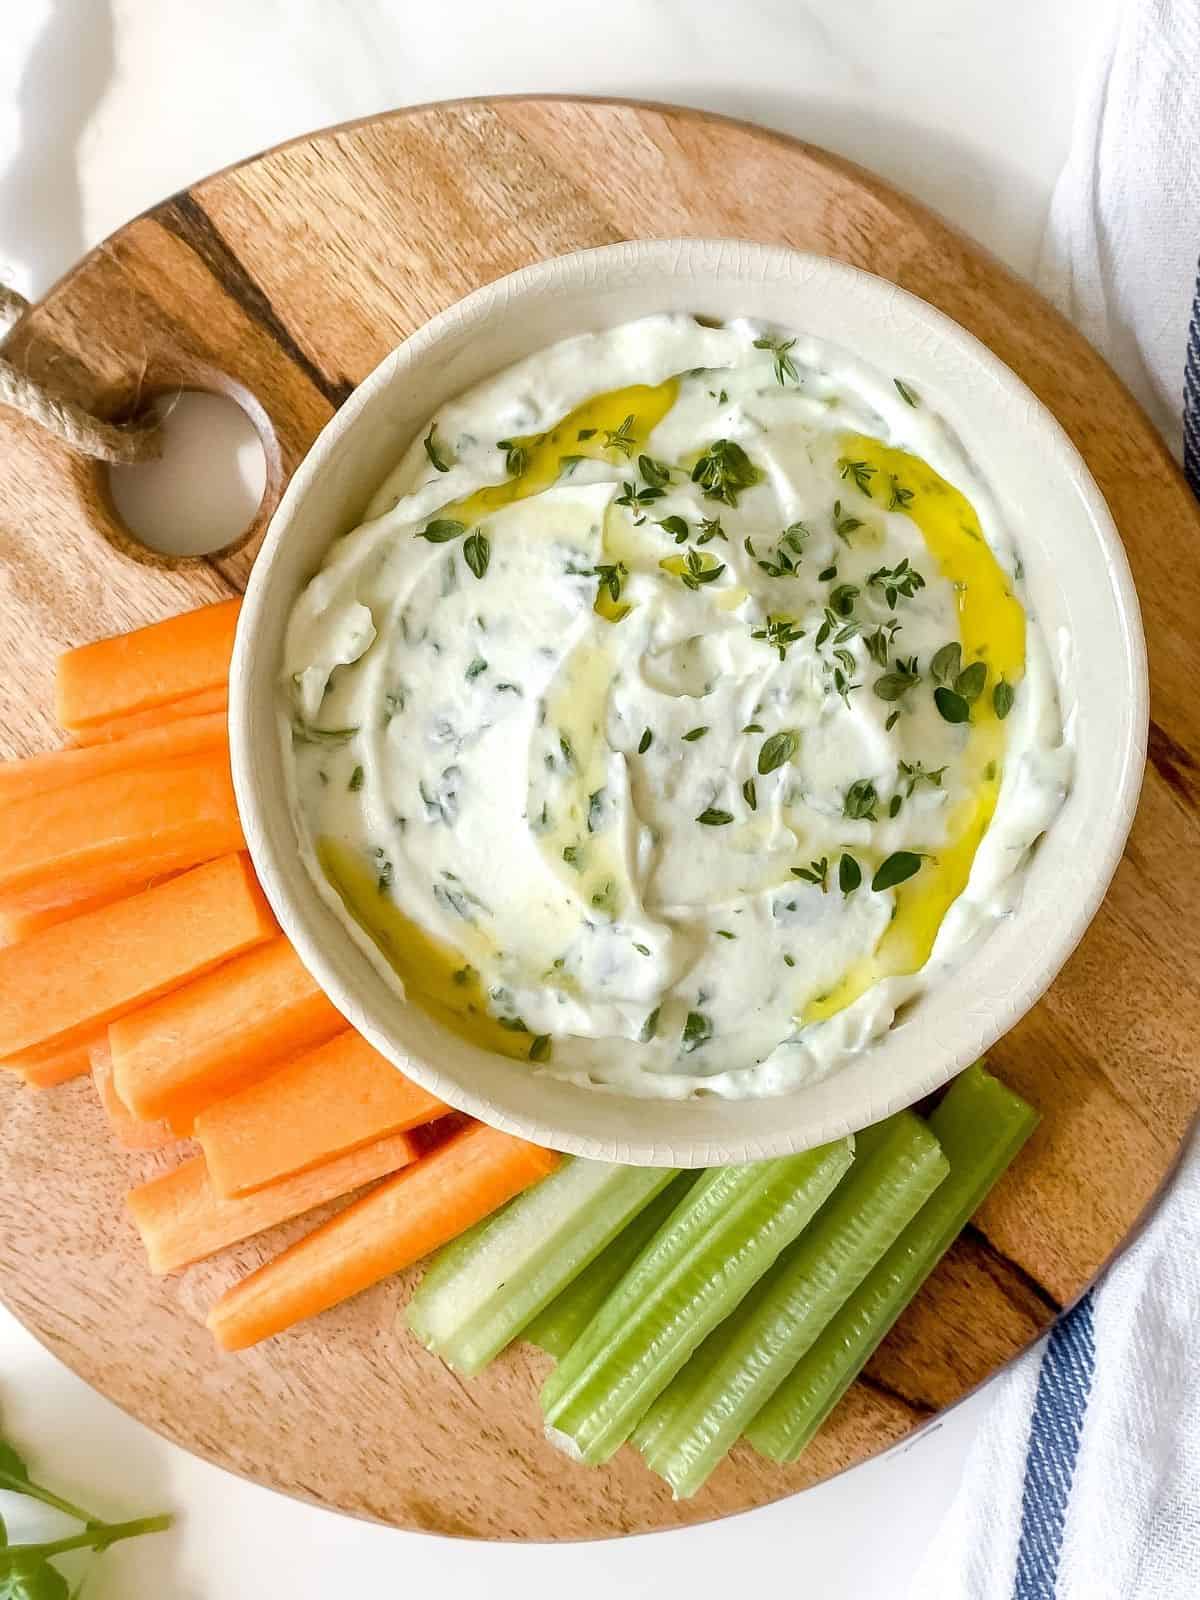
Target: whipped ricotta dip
676	714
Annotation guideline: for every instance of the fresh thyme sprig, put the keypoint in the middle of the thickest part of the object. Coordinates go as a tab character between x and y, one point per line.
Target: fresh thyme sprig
899	582
724	470
861	472
785	367
621	438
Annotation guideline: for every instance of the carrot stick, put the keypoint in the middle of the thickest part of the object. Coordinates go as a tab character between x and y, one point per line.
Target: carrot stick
182	1218
60	986
116	831
49	1065
148	667
342	1095
205	703
60	769
129	1131
436	1199
16	924
220	1033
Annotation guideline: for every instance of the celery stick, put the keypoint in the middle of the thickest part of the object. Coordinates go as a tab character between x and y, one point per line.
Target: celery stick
689	1429
980	1126
556	1329
481	1290
721	1238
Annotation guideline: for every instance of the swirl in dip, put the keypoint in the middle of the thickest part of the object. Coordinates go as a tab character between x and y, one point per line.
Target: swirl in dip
675	715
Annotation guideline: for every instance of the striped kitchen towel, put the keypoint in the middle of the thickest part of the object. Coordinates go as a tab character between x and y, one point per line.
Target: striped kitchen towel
1084	1483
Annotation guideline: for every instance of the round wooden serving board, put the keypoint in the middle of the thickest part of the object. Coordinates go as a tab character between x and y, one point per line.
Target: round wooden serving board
283	282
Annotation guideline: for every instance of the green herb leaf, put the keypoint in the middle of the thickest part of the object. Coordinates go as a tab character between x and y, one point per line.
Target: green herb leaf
724	933
952	706
971	681
753	727
477	666
724	470
645	742
676	527
656	473
849	875
477	552
356	780
816	872
436	460
844	522
597	802
907	394
860	471
710	528
516	457
304	733
785	367
637	499
903	677
697	1030
779	633
917	773
750	794
901	498
947	663
587	433
894	805
880	642
898	868
1003	696
777	751
612	577
693	734
896	582
442	529
859	801
841	599
621	438
827	575
650	1026
711	817
539	1050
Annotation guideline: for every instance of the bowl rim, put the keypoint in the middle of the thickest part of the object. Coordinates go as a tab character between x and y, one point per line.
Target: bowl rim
664	256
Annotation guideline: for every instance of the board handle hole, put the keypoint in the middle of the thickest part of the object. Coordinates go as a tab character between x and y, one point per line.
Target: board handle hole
204	493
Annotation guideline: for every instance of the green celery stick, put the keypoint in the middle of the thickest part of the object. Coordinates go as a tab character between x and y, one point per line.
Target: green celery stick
980	1126
556	1329
692	1426
480	1292
721	1238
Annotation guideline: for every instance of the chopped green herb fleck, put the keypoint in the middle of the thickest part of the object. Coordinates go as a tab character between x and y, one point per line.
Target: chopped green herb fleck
642	949
477	666
539	1050
573	856
649	1027
357	778
697	1030
724	933
645	742
693	734
907	394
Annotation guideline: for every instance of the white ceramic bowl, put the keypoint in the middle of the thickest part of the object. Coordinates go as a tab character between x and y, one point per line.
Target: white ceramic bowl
1078	582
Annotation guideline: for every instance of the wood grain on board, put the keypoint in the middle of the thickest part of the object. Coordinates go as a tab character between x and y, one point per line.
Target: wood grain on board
283	282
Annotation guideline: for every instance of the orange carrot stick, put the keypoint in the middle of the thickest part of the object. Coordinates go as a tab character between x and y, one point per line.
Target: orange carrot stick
129	1131
342	1095
182	1218
205	703
61	985
148	667
60	769
49	1065
16	924
116	831
431	1202
220	1033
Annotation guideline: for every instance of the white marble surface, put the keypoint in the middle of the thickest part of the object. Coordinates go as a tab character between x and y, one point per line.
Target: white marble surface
106	107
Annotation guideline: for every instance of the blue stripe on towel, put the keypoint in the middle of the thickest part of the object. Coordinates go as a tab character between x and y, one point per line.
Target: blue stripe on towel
1191	398
1064	1382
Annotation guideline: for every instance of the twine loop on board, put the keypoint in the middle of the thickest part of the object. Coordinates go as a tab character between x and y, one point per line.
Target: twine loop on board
124	443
